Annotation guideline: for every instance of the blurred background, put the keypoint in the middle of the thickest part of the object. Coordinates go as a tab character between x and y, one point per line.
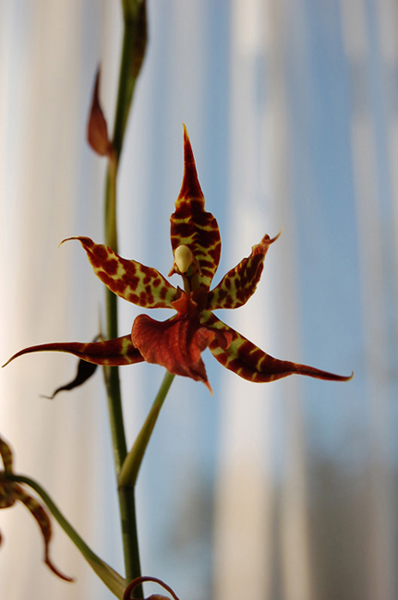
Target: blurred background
281	491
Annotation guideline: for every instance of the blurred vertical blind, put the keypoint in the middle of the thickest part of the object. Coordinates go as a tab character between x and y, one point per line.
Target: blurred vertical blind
281	491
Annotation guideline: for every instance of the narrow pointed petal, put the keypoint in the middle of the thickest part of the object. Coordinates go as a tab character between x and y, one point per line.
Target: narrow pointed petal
249	362
97	129
43	521
128	279
176	343
191	225
110	353
239	284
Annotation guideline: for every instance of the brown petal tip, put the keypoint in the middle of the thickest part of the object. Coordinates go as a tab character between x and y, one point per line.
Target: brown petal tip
57	572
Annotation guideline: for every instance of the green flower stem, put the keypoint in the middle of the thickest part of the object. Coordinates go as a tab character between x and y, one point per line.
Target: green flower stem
133	50
111	373
110	204
111	578
131	466
130	535
112	382
126	87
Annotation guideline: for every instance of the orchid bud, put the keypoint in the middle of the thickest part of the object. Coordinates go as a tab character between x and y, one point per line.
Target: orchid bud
97	129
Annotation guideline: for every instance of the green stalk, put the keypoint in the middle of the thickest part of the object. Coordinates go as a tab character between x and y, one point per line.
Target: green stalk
112	373
131	466
129	472
134	42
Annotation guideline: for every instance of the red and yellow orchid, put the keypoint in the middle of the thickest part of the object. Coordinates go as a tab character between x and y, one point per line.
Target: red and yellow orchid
177	343
10	492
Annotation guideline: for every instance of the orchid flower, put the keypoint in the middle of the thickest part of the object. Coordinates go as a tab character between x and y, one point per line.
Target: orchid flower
178	342
10	492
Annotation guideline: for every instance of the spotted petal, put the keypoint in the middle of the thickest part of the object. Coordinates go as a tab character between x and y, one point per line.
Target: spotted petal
128	279
10	492
248	361
191	225
239	284
178	342
110	353
6	492
6	455
43	521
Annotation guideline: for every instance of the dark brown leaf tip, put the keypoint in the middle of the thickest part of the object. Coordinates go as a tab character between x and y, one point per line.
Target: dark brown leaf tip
84	371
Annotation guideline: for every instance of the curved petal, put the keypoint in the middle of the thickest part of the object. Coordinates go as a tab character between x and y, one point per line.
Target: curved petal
248	361
7	498
110	353
43	521
6	455
176	344
191	225
128	279
239	284
84	371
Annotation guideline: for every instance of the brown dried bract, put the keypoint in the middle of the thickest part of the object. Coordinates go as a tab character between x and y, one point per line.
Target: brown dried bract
97	129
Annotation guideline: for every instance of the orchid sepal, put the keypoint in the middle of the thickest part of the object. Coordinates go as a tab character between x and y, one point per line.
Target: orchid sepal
240	283
128	279
191	225
253	364
108	353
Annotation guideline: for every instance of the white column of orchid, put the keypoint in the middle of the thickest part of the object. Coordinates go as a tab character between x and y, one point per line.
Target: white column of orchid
356	41
243	525
49	294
